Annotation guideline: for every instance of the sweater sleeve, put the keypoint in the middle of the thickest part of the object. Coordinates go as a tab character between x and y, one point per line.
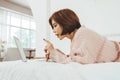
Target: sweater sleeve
82	55
85	46
58	56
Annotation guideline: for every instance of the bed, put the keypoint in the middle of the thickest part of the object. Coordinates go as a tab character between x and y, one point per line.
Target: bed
42	70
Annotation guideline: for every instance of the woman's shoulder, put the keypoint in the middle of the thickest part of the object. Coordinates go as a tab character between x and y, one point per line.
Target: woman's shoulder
83	29
80	33
86	33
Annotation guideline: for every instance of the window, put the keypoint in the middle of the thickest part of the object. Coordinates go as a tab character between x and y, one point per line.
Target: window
19	25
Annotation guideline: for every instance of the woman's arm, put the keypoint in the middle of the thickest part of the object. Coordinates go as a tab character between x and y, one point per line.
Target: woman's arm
55	54
82	59
58	56
83	55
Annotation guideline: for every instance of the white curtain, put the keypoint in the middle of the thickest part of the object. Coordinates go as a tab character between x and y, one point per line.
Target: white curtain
3	26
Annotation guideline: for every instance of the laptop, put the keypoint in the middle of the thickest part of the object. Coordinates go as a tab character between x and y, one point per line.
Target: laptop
20	49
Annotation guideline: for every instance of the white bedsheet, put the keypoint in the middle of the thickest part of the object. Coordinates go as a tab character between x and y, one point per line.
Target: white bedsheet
42	70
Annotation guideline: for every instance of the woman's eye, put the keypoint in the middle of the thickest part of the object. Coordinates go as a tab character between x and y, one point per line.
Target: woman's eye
55	25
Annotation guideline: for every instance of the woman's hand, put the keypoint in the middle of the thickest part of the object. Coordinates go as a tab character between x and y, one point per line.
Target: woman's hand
48	48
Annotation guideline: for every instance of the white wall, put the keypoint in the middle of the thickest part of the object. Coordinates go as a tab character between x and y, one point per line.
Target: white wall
103	16
40	13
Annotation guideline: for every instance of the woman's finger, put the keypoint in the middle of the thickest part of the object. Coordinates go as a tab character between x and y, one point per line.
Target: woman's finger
47	57
45	50
47	41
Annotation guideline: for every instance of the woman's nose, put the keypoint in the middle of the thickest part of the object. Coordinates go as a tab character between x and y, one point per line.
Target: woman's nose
54	31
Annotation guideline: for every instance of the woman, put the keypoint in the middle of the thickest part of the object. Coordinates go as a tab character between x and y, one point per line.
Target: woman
86	45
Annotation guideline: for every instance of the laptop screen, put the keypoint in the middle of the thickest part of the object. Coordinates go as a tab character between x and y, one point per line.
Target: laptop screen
20	49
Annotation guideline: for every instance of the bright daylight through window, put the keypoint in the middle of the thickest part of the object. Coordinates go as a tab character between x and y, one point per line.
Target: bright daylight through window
17	24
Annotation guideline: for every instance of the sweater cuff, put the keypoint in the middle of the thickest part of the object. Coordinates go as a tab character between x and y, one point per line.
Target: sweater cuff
58	56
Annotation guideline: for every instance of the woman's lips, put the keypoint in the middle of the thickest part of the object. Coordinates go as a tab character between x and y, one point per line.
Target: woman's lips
57	35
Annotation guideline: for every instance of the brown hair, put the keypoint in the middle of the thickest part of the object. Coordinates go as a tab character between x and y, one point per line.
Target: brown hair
67	19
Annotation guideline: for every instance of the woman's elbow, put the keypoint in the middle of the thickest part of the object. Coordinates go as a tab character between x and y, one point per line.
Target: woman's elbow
82	60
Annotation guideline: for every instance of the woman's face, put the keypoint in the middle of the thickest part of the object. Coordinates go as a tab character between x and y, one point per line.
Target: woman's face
57	29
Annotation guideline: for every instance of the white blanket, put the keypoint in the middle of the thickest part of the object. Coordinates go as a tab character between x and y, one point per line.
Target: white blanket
42	70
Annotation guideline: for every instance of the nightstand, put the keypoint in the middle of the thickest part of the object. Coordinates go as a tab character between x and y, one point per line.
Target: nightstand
1	59
2	55
31	53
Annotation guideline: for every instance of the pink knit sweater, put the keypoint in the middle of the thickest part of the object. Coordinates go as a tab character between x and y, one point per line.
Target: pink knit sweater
88	47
